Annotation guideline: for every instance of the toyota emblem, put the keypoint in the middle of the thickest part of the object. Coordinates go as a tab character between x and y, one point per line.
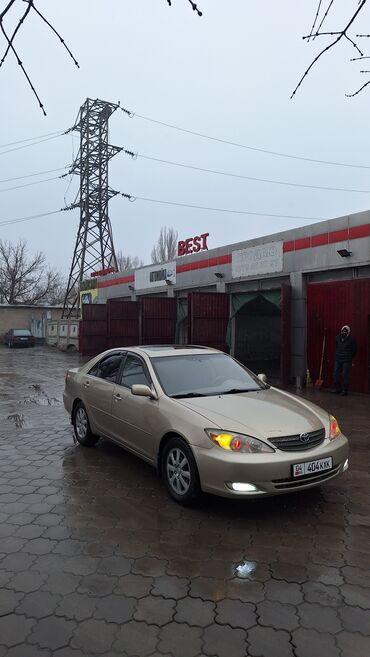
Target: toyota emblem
304	437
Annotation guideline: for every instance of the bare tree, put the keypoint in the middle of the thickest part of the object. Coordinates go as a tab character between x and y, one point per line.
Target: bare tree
13	6
166	247
321	15
26	280
127	261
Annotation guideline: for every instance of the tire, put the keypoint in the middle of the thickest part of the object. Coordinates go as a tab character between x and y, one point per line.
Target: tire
180	472
81	426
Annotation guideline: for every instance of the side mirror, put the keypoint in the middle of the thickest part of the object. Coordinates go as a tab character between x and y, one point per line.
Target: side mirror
263	378
141	390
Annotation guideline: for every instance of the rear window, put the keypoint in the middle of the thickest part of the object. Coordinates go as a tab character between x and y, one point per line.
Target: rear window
22	332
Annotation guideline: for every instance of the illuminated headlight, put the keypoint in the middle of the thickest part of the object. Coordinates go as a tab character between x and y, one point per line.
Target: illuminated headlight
334	428
236	442
346	465
243	488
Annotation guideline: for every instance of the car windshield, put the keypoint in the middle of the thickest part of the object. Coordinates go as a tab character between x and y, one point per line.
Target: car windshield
203	375
21	332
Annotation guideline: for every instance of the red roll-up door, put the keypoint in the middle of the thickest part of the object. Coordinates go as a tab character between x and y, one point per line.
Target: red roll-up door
123	323
93	329
329	307
208	317
158	316
285	334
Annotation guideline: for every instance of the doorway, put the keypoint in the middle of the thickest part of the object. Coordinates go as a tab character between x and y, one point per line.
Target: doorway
258	334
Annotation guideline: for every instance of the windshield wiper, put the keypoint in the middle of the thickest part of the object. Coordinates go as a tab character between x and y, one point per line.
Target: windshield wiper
185	395
234	391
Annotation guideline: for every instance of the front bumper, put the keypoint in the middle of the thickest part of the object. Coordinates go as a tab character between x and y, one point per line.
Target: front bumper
271	474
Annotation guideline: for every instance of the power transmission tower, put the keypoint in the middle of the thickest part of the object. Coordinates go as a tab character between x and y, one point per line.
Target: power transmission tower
94	249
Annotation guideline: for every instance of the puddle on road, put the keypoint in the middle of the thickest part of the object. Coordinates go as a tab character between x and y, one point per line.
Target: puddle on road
41	399
244	569
18	419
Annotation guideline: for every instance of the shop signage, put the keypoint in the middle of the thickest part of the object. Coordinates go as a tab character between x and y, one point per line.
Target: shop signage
103	272
155	276
193	244
261	259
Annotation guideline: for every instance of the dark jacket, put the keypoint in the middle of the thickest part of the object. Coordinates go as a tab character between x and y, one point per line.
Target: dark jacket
345	349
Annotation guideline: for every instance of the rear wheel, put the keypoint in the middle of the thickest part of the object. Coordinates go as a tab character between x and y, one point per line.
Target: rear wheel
180	472
81	427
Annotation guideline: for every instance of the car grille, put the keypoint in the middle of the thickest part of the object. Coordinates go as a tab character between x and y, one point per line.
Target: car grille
296	443
298	482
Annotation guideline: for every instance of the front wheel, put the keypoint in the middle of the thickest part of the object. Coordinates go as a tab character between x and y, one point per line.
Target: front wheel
81	426
180	472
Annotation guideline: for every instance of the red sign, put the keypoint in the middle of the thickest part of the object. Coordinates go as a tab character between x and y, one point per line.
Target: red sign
193	245
103	272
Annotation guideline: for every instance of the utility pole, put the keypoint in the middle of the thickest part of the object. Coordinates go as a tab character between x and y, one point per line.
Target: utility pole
94	249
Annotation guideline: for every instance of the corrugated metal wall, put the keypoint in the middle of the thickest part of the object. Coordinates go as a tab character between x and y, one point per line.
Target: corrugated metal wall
93	337
123	323
208	317
329	307
158	316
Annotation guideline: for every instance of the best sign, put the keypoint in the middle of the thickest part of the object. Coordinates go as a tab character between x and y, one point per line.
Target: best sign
192	245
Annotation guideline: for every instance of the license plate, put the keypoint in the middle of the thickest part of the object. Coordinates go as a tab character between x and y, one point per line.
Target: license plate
23	339
312	467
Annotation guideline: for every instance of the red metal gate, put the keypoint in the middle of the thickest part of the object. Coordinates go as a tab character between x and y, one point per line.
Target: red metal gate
93	329
208	317
158	316
329	307
285	319
123	323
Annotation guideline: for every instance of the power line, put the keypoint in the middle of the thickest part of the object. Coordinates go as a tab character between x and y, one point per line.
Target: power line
22	141
7	222
245	146
36	182
235	175
40	141
227	210
31	175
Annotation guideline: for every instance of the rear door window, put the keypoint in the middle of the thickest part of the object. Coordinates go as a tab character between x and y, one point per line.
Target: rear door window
108	367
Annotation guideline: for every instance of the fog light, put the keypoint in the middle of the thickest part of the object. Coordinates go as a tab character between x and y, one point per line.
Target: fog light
346	465
244	488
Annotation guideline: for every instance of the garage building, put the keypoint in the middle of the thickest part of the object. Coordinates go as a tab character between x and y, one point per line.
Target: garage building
269	301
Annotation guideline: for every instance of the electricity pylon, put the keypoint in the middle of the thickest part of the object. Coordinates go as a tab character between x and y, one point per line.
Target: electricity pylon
94	249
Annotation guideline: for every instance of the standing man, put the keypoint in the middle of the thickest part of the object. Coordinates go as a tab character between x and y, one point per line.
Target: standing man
345	351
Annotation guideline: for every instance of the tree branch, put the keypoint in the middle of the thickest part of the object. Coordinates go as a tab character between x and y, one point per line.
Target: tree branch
55	32
340	35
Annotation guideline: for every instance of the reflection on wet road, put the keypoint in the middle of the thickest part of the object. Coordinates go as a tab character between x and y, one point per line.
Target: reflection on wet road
95	559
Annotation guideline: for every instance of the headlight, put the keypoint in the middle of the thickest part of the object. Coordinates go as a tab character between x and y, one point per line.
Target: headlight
334	428
236	442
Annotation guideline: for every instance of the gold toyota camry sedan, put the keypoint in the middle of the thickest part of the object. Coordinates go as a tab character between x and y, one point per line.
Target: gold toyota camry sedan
204	421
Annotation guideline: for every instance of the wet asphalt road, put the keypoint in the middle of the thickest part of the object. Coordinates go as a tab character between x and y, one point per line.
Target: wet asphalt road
95	559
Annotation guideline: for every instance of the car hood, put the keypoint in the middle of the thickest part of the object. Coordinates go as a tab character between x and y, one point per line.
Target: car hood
264	414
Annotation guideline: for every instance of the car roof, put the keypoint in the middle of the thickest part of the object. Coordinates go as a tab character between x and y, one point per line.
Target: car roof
155	351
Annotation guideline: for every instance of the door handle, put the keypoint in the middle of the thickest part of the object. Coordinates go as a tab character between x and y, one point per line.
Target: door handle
86	384
117	397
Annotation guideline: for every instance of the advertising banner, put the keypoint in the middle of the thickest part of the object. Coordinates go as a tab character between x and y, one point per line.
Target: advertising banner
257	260
155	276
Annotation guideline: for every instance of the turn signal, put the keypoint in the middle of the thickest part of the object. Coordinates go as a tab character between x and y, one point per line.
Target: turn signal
334	428
238	443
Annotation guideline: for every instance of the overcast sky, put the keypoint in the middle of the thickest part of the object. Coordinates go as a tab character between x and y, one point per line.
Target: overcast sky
228	74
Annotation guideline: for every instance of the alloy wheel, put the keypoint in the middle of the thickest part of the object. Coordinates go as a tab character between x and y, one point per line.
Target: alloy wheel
178	471
81	423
